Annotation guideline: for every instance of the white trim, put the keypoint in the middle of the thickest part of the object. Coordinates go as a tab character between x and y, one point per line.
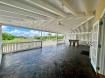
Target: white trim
96	22
94	48
102	50
84	22
84	33
102	15
0	44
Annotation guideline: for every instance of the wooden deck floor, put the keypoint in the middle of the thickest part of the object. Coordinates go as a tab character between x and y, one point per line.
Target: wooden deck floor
49	62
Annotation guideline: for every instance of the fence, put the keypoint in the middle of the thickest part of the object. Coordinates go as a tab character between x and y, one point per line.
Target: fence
19	46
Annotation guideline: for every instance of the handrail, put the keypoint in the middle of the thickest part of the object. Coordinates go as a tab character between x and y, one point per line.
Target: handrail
10	47
22	42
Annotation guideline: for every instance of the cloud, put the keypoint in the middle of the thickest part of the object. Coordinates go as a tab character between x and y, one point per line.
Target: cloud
29	33
45	33
4	28
20	31
25	32
15	32
34	33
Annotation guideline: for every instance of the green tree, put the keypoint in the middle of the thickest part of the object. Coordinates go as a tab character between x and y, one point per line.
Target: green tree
7	36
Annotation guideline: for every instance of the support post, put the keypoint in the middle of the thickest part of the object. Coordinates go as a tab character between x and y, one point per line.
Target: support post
64	38
41	40
0	43
57	38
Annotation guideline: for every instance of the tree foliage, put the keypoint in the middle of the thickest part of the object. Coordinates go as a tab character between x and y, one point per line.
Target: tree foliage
7	36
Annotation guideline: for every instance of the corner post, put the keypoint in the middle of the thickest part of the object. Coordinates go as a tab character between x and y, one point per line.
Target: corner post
57	38
41	40
0	43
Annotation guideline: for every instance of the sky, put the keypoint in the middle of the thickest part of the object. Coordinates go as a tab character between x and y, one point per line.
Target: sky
17	31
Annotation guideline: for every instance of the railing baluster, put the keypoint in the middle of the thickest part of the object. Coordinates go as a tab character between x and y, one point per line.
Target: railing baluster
8	48
13	47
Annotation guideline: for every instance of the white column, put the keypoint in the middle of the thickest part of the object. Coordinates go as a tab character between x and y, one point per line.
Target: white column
101	55
64	38
67	37
57	38
41	40
0	43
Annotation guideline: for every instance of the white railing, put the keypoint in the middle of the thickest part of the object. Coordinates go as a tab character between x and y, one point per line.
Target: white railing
84	42
19	46
61	42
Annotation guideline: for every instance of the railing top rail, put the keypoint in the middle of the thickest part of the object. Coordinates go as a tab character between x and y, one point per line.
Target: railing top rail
20	42
60	40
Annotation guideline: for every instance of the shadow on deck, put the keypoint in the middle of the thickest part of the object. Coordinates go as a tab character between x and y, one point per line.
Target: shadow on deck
60	61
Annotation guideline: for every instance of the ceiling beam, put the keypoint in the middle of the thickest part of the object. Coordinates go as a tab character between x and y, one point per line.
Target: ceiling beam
9	9
88	18
47	6
6	16
84	27
19	5
67	4
82	7
9	14
87	26
71	23
80	28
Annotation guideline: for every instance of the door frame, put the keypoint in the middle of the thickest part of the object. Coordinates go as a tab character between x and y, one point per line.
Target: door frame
99	46
101	57
94	46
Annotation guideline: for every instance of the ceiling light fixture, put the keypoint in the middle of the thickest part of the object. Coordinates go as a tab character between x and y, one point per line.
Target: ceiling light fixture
60	23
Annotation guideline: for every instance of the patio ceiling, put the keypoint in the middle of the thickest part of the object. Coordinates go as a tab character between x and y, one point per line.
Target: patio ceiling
49	15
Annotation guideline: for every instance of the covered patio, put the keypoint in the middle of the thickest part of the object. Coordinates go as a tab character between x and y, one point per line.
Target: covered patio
80	54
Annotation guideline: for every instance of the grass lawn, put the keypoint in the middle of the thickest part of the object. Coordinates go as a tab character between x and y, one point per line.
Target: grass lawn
20	40
28	39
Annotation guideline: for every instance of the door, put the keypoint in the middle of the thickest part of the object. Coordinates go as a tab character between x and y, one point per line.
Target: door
94	45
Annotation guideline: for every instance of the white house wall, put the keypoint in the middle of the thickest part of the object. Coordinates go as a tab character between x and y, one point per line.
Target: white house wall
70	36
84	38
